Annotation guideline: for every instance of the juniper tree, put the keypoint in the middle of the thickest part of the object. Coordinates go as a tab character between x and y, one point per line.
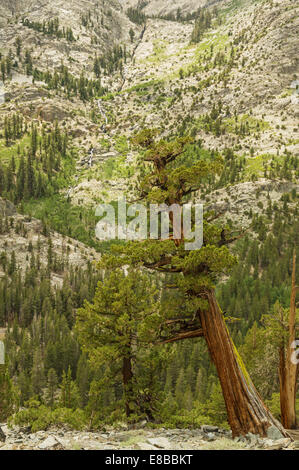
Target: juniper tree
168	180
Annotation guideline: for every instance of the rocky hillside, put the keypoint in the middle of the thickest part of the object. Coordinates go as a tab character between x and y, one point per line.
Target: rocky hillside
234	88
241	75
166	7
25	237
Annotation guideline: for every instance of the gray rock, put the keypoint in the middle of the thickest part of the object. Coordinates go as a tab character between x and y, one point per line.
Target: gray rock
48	443
274	433
160	442
208	428
285	442
61	441
267	442
252	438
277	444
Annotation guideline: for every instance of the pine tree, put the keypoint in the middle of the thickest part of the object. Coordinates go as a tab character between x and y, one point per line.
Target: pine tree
132	34
123	313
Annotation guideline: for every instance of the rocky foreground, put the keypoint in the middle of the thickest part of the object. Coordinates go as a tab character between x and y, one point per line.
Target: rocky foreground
205	438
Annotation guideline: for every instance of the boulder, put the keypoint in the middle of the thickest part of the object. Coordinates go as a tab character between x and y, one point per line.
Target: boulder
274	433
49	443
160	442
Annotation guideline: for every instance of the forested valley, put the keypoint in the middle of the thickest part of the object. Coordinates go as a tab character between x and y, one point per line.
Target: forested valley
188	106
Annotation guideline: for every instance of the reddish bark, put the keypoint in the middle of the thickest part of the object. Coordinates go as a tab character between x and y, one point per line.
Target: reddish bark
245	409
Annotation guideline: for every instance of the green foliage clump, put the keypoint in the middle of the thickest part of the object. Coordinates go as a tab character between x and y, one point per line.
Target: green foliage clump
40	417
50	28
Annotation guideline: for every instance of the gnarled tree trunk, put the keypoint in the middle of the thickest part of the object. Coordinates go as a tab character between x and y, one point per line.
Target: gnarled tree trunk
245	409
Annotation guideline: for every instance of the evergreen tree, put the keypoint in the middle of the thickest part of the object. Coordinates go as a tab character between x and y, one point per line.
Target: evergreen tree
122	314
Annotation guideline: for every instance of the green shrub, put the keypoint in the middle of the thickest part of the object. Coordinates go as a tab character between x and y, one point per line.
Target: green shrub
40	417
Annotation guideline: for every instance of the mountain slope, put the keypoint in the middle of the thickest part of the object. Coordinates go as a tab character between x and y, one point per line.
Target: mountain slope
244	66
232	89
166	7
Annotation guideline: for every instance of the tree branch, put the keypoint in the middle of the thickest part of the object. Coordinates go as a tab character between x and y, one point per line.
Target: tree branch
184	335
